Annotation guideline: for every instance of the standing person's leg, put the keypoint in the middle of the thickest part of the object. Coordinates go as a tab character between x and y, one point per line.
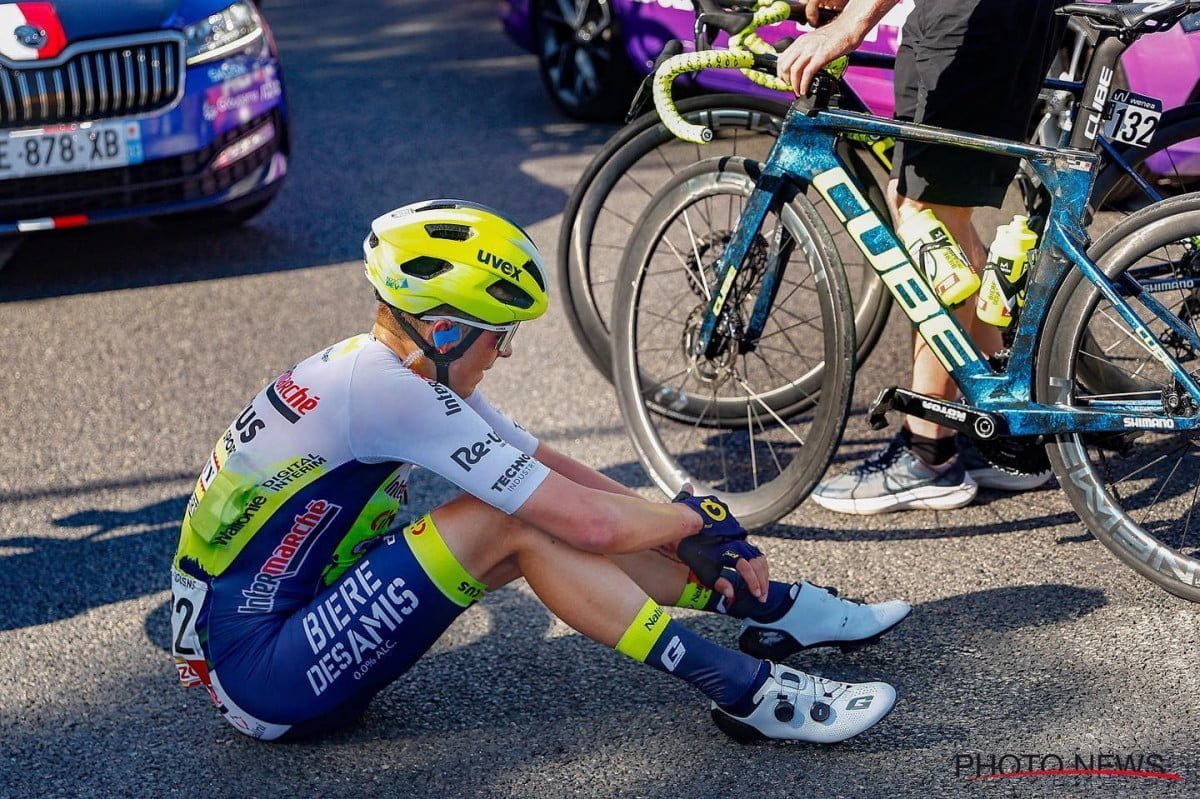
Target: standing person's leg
927	475
929	376
970	65
978	72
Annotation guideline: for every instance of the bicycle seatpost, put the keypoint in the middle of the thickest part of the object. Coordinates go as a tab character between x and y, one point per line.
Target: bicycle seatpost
1097	89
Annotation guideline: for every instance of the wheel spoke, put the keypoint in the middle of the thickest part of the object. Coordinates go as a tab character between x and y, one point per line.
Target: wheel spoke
753	454
1187	525
1158	496
755	396
1144	467
770	446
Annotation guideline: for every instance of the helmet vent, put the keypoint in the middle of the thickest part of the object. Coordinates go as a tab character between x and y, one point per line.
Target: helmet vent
440	205
530	268
509	294
372	240
448	230
425	267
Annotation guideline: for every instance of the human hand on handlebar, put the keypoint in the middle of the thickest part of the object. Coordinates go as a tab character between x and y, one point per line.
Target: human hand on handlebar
805	57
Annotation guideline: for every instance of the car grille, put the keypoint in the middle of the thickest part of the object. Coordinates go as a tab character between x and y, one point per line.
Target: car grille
124	79
162	181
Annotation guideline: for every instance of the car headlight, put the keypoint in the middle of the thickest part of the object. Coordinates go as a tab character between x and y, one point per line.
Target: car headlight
1191	22
228	31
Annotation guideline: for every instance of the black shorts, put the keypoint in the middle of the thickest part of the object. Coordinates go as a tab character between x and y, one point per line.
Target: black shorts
976	66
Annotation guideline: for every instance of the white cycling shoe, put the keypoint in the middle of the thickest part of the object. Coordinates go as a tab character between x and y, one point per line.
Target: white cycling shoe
794	706
818	617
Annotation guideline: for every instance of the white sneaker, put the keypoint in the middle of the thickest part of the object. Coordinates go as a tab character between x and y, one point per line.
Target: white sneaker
818	617
896	479
794	706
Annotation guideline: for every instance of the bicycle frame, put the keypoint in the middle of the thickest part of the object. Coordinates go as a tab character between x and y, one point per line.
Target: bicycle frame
805	155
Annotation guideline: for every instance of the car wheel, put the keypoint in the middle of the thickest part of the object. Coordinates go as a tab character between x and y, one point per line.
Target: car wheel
582	59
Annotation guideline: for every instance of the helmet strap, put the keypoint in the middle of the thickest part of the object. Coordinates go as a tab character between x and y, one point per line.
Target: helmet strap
441	361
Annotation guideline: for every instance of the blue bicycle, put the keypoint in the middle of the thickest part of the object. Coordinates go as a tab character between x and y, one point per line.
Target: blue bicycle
731	302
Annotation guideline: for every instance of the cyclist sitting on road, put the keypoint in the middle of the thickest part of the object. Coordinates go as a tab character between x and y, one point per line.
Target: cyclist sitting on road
971	65
297	598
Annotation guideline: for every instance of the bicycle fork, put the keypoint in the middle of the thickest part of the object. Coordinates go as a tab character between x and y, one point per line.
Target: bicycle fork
770	192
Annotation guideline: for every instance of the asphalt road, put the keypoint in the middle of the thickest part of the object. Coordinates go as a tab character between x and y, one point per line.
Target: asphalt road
128	349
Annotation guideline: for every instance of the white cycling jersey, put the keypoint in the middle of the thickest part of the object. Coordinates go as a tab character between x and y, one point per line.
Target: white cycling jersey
337	437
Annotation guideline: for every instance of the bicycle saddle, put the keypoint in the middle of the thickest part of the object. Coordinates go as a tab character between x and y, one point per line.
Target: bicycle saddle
1131	17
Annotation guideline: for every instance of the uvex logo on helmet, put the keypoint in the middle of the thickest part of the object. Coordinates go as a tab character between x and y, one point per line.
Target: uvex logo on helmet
498	263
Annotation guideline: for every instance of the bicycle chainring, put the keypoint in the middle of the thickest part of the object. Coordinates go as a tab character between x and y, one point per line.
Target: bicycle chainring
1023	454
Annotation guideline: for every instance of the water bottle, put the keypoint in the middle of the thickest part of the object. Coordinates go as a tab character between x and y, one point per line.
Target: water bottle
941	259
1004	277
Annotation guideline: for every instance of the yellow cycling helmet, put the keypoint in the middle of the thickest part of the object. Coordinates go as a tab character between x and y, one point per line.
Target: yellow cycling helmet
457	260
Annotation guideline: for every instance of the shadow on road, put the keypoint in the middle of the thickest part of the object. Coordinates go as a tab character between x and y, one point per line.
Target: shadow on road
389	102
126	556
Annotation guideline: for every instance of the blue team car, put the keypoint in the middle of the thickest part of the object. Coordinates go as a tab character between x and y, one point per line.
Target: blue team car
117	109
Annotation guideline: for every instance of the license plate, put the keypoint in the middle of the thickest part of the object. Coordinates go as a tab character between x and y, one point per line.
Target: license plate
1133	118
71	148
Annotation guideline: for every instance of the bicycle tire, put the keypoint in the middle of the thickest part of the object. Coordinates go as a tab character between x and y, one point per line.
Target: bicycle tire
1084	465
586	274
824	398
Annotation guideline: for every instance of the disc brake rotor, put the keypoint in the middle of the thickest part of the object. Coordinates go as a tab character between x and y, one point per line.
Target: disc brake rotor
705	254
714	372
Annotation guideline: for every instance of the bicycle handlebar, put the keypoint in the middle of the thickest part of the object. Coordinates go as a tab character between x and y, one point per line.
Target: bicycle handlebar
678	65
747	52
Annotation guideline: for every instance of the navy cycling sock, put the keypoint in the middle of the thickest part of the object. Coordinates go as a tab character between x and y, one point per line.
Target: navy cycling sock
745	605
934	451
725	676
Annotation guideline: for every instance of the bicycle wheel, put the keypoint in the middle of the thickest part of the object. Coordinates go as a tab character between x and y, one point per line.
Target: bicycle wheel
616	186
789	396
1137	490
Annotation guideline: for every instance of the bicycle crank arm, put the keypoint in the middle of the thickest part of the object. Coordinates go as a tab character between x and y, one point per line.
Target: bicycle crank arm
975	423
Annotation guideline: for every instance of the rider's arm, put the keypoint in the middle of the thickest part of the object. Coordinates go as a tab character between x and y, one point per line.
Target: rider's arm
578	472
557	461
394	415
805	56
597	520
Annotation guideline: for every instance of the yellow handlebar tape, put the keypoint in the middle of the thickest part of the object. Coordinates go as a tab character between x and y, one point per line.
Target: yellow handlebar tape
691	62
740	55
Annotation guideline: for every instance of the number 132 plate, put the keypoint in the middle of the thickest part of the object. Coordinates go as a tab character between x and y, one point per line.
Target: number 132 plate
1133	118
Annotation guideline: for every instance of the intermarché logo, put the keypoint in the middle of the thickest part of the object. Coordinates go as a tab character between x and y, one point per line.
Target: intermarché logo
974	766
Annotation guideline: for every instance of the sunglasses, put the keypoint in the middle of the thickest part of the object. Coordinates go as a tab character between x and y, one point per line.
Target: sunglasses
506	332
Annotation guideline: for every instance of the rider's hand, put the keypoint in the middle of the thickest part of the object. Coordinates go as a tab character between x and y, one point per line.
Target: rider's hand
804	57
719	554
755	577
718	520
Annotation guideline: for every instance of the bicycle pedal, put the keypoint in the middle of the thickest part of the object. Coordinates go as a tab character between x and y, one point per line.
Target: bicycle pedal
877	413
